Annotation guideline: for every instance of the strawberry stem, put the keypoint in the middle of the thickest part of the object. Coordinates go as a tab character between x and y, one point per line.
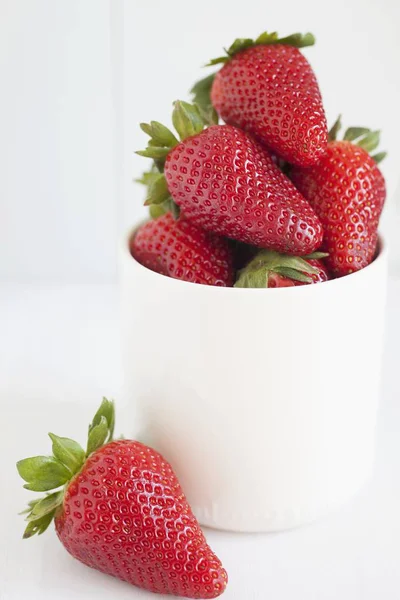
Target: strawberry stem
334	130
298	40
47	473
256	273
188	119
360	136
201	95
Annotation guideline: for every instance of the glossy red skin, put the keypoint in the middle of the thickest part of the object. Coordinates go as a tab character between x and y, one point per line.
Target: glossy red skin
347	191
271	92
276	280
226	182
181	250
125	514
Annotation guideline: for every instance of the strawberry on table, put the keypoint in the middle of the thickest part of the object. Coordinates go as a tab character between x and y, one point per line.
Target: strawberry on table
267	87
119	508
180	249
225	182
269	269
347	191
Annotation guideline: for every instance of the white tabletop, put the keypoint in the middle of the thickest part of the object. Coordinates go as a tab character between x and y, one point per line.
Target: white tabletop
59	354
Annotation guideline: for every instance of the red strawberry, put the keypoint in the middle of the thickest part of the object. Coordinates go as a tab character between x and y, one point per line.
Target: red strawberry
347	191
269	269
122	512
182	250
321	274
274	280
268	88
226	182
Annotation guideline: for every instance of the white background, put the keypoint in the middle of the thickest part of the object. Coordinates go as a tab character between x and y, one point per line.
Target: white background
77	76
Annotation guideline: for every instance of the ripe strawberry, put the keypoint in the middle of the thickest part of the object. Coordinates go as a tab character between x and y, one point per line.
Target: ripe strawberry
182	250
268	269
225	182
321	274
268	88
347	191
122	512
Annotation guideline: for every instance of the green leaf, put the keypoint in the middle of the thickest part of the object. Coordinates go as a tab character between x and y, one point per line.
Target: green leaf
253	278
106	410
370	141
217	61
46	505
298	40
147	177
256	273
159	134
297	263
98	435
69	452
266	38
154	152
209	115
201	92
163	135
31	504
316	255
43	473
158	210
366	139
38	526
353	133
379	157
159	164
146	127
174	208
239	45
186	119
293	274
158	191
334	130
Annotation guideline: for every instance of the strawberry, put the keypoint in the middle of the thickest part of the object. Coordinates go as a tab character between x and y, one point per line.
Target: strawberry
269	269
226	182
180	249
347	191
321	274
268	88
122	511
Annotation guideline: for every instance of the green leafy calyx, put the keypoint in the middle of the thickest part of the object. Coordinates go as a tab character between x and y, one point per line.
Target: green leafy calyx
49	473
256	273
201	95
363	137
188	119
298	40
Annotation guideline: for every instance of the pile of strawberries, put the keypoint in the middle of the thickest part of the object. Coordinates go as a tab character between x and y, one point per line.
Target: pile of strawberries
270	198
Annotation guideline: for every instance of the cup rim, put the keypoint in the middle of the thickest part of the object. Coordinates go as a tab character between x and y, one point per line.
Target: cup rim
340	281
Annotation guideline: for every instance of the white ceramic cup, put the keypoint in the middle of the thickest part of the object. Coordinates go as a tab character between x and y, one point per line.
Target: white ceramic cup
264	401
